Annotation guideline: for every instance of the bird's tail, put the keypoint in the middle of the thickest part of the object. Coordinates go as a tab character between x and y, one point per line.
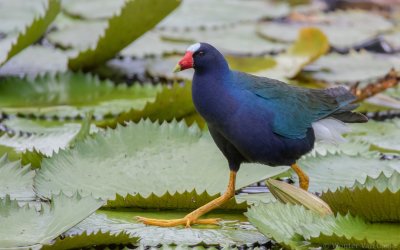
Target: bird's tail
345	99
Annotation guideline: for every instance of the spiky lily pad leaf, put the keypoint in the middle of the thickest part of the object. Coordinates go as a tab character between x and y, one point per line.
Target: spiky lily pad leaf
172	156
17	40
381	194
350	68
237	39
170	103
293	226
35	61
92	9
34	158
217	13
352	148
44	143
25	226
151	44
185	200
233	233
384	136
16	180
344	29
86	240
310	44
122	29
71	95
336	170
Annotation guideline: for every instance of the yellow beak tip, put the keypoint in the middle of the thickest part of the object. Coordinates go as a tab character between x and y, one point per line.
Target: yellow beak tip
177	68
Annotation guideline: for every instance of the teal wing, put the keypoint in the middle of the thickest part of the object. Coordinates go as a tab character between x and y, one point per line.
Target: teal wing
295	109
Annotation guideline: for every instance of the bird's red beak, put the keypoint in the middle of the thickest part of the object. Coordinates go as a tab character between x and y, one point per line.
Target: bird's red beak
185	63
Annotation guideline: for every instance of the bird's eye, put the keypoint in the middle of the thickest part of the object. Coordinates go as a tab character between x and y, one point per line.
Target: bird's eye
201	53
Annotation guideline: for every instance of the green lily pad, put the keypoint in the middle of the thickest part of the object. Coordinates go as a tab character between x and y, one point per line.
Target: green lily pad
86	240
382	194
336	170
233	232
237	39
170	103
295	227
92	9
344	29
22	34
16	180
71	95
172	156
196	14
27	227
350	68
35	61
122	29
39	141
151	44
384	136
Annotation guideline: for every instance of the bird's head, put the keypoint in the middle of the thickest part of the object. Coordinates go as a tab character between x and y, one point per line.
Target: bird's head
200	56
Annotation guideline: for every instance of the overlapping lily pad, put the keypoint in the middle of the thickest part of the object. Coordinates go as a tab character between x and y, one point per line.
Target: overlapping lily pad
344	29
335	170
231	234
384	136
16	180
122	29
36	61
98	239
71	95
27	227
194	14
123	161
237	39
381	194
34	19
350	68
296	227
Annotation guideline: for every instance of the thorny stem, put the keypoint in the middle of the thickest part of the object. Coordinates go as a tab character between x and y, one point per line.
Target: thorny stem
389	81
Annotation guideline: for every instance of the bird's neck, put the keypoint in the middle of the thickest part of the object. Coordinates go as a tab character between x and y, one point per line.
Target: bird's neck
211	94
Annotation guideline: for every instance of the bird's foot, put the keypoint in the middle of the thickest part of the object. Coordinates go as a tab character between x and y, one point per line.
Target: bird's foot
186	221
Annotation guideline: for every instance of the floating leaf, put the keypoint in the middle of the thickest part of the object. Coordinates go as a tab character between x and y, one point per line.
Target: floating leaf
86	240
384	136
310	44
122	29
351	147
25	226
293	225
218	13
381	194
92	9
344	29
232	234
17	41
350	68
34	158
336	170
151	44
238	39
35	61
185	200
172	156
71	95
170	103
16	180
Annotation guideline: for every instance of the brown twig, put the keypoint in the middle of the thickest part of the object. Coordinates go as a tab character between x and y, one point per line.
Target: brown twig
389	81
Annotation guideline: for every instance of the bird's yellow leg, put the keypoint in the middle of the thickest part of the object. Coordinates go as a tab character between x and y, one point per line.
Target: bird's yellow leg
193	217
303	178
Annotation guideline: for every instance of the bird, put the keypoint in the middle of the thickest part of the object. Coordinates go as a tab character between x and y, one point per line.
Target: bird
259	119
